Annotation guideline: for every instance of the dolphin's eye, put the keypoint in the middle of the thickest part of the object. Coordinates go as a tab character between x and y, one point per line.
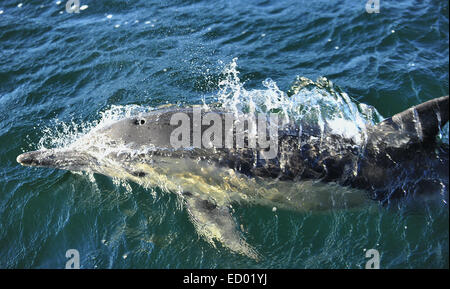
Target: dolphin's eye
139	121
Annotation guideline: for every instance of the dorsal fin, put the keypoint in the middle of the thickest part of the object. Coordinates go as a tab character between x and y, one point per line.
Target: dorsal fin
418	124
426	118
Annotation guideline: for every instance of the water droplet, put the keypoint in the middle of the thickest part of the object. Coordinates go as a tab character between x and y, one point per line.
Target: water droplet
263	35
109	16
1	11
19	5
117	26
329	39
392	31
58	2
336	47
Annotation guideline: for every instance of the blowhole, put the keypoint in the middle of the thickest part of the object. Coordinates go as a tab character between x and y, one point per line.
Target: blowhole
139	122
139	174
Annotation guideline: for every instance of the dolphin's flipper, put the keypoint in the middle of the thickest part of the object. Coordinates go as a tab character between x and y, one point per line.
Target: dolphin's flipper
214	222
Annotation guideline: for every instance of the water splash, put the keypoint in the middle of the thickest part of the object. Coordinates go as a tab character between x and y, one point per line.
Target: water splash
320	102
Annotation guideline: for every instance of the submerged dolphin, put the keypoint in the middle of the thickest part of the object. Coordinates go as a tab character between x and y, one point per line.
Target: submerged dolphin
313	168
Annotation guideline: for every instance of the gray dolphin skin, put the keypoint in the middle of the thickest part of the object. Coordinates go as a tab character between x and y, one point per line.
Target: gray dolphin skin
314	168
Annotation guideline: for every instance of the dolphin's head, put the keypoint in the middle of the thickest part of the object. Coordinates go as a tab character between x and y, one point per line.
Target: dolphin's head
137	132
109	145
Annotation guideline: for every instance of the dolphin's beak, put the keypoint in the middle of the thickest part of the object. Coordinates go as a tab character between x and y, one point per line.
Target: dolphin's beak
28	159
60	159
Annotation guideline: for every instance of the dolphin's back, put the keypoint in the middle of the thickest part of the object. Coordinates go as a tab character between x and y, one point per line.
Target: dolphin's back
304	152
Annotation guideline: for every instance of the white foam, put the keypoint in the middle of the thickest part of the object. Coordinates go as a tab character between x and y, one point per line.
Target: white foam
318	102
346	128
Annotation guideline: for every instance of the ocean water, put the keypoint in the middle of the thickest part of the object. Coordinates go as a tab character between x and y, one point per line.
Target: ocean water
62	73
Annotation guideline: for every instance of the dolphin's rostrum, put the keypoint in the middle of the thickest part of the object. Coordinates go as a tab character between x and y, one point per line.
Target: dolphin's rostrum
314	168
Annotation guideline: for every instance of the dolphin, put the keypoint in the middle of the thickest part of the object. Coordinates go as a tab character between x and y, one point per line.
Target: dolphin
313	167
